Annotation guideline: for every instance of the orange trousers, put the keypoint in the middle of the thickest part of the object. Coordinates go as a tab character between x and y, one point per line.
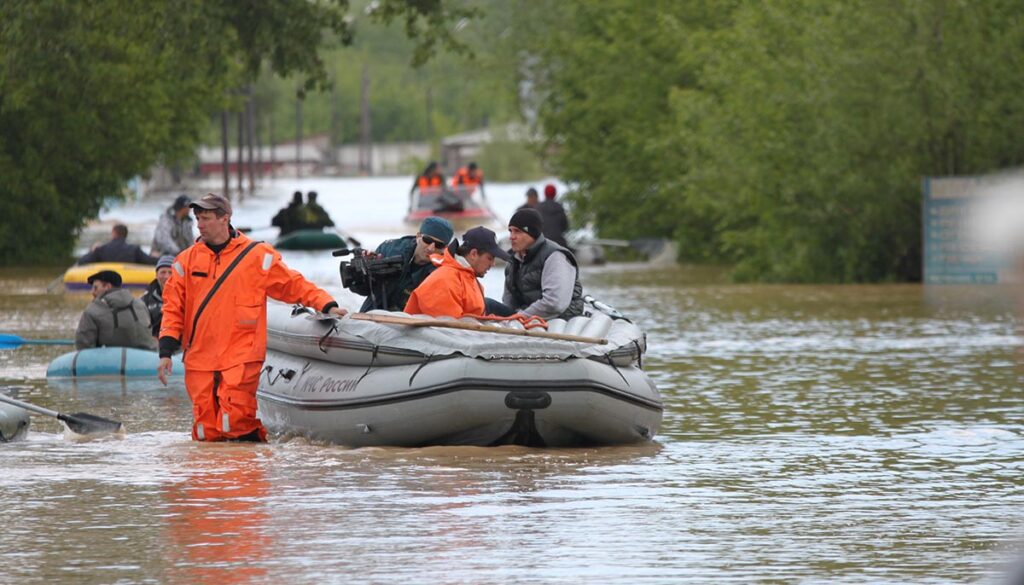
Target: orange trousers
224	403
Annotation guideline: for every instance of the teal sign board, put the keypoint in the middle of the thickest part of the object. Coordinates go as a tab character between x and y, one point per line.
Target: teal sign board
952	255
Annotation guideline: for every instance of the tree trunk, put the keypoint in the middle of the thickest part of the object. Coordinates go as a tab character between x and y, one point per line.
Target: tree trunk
250	139
365	138
298	136
225	165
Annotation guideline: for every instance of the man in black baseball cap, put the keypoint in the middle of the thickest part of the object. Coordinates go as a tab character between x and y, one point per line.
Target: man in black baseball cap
453	290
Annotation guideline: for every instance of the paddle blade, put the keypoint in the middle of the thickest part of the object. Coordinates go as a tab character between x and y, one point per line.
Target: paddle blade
9	341
83	423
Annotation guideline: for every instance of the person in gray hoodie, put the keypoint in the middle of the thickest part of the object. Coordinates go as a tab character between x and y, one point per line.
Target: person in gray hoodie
114	318
174	230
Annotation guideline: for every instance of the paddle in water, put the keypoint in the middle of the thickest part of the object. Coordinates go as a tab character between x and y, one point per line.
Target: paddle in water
80	423
12	341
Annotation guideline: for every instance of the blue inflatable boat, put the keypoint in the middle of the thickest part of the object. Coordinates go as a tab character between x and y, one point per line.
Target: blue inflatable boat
110	361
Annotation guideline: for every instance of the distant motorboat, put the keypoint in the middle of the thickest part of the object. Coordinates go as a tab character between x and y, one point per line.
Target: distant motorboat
464	206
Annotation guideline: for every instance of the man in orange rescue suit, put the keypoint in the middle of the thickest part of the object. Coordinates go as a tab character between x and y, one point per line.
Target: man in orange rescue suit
215	307
453	290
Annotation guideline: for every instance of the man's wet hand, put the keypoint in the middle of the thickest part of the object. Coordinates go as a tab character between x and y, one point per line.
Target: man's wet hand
163	369
337	312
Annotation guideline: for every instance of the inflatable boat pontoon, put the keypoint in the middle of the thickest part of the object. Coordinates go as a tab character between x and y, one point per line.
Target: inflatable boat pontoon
14	422
110	362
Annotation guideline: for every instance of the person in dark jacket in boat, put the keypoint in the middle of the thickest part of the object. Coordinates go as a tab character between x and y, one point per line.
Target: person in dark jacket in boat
174	230
118	250
314	216
114	318
543	277
531	200
556	222
415	251
289	219
154	295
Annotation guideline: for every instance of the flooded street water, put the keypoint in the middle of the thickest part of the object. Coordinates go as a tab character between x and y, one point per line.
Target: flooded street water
812	434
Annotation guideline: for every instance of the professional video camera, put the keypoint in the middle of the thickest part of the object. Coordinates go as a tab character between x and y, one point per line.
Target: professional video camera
363	274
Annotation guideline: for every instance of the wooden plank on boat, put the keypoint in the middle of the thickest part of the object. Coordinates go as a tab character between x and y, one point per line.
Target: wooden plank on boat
414	322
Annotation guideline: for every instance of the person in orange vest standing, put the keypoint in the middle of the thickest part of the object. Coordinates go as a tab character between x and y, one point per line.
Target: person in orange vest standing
453	289
215	308
468	176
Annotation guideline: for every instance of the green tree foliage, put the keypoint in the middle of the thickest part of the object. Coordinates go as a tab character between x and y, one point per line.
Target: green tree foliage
602	81
94	93
787	137
473	85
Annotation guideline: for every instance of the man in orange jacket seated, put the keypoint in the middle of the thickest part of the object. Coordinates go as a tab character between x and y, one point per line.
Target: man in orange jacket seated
453	290
215	307
468	176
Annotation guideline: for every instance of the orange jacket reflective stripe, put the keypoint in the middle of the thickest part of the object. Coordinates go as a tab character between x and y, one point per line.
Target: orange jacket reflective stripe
450	291
233	327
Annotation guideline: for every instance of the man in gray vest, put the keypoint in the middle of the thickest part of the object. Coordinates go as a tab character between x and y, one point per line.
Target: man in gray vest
114	318
543	277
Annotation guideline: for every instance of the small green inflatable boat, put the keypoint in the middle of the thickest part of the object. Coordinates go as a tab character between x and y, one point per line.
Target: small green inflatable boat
310	240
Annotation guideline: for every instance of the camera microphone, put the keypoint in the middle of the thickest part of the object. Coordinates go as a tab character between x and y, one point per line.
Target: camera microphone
341	252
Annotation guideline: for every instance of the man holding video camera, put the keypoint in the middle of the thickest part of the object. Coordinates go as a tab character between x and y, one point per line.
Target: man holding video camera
387	282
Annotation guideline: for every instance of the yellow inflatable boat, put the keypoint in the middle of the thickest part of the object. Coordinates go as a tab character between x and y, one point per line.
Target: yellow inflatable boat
135	276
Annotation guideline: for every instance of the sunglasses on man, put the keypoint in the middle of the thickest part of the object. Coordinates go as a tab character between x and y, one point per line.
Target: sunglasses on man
431	241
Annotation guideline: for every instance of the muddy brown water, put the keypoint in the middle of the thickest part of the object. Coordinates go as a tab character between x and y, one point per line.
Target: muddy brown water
812	434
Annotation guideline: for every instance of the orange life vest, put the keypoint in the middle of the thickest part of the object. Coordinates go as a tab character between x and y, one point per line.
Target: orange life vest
432	181
450	291
465	177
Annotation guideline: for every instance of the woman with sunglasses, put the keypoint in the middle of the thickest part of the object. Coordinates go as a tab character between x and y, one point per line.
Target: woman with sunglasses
415	251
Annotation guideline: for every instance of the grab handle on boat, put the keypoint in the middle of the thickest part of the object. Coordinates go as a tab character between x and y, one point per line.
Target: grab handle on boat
527	400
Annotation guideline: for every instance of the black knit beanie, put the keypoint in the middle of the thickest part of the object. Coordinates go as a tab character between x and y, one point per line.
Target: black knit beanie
527	220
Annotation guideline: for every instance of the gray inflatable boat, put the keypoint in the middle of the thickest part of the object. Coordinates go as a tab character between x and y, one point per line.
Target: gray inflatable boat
14	422
361	383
